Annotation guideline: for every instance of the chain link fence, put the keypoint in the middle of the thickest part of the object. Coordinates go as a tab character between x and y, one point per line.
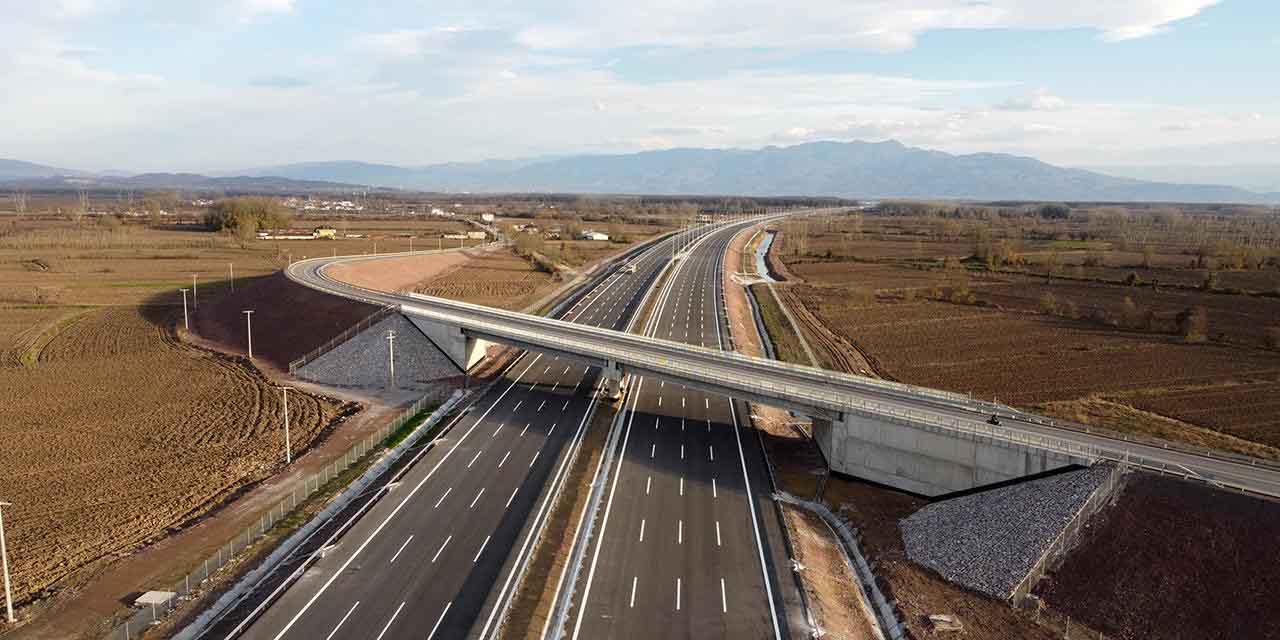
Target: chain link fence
190	585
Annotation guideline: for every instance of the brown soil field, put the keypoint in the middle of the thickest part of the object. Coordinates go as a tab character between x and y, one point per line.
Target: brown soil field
1174	560
396	274
120	433
281	333
498	279
1105	342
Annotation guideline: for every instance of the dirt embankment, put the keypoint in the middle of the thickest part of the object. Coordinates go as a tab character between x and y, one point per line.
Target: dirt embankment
1176	560
288	319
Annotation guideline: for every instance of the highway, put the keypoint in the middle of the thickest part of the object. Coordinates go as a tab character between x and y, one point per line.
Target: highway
688	540
437	555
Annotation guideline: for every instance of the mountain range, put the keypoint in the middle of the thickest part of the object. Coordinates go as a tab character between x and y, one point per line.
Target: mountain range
848	169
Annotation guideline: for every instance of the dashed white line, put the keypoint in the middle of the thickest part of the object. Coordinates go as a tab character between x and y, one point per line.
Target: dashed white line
439	620
717	533
482	544
713	489
711	451
525	429
634	579
406	543
476	499
473	460
446	494
724	602
680	532
388	625
513	496
653	449
344	619
552	429
681	485
677	594
535	458
682	452
641	529
495	431
647	483
544	403
517	407
441	549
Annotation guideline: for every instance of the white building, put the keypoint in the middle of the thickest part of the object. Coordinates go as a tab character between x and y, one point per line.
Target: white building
593	235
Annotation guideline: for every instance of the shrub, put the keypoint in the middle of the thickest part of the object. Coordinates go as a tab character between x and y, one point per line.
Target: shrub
1193	324
1048	303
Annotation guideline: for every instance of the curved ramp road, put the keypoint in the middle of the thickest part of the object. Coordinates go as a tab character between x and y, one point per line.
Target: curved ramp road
435	557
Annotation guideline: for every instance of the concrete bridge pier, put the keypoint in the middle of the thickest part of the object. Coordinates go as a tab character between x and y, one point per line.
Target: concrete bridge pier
926	459
612	374
462	349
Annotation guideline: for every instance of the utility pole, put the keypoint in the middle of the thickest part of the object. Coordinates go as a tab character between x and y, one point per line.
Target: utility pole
391	359
232	267
248	330
195	304
4	559
186	324
288	453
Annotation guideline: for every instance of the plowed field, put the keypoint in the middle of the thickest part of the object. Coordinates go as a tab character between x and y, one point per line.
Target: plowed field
118	433
495	279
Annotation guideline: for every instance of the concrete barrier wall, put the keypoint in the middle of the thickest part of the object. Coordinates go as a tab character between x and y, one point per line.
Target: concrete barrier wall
926	461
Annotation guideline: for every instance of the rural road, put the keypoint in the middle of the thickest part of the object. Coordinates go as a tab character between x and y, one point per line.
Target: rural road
434	557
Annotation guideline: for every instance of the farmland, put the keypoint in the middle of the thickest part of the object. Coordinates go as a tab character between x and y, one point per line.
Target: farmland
1157	323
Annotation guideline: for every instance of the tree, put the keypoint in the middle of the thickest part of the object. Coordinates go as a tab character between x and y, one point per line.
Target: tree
1193	324
1210	281
1148	252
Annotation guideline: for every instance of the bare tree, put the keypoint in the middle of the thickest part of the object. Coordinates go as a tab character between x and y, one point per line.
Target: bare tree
81	208
20	200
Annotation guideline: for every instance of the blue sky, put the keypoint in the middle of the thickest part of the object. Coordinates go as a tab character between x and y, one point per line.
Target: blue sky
166	85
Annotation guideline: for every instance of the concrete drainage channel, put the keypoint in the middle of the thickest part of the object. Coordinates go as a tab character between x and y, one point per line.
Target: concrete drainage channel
249	583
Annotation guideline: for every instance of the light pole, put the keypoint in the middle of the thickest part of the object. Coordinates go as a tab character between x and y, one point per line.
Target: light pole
248	330
186	324
288	453
391	359
195	304
232	268
4	560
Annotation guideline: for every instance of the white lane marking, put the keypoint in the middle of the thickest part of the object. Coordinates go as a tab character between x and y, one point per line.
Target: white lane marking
566	369
566	404
711	451
504	459
681	485
717	533
500	426
439	620
655	423
724	602
677	594
473	460
446	494
513	497
535	457
680	532
713	489
647	483
682	424
755	526
641	529
706	403
708	425
406	543
659	401
383	524
438	551
388	625
344	619
682	452
552	430
557	384
634	579
517	407
544	371
476	499
653	449
544	403
482	544
525	429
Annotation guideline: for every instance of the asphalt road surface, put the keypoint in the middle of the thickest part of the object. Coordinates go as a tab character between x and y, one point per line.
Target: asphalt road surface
434	557
688	541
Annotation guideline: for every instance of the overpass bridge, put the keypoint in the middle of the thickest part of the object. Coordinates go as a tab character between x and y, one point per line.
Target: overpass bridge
922	440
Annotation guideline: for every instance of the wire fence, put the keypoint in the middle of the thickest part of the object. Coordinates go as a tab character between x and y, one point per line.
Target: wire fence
1067	537
367	322
190	586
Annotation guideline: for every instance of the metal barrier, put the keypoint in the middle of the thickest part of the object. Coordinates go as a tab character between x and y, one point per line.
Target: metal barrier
189	587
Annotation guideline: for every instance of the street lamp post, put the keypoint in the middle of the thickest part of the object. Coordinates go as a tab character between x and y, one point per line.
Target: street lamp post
195	304
4	560
231	266
391	359
248	330
288	452
186	324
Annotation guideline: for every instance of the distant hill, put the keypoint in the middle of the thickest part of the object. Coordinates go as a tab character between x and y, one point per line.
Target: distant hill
852	169
844	169
63	180
1254	177
19	170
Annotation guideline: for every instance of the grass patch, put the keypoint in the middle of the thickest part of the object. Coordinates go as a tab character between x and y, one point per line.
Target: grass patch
786	344
407	428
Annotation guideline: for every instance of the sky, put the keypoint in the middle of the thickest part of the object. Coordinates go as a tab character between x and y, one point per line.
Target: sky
177	85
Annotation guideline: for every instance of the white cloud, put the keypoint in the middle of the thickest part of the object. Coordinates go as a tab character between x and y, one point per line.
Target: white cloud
249	10
1038	100
402	43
